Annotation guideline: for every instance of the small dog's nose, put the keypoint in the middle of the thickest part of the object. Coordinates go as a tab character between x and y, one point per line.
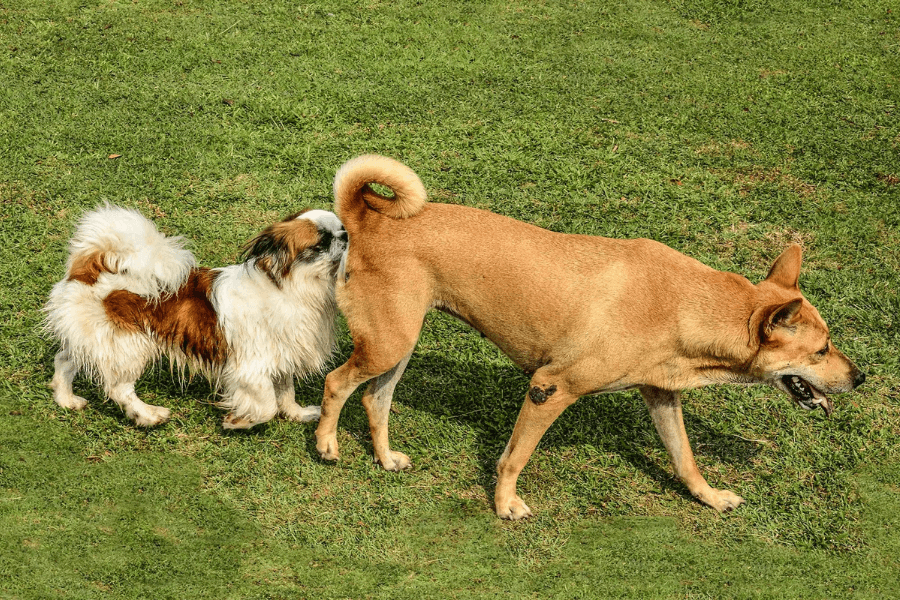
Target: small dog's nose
859	379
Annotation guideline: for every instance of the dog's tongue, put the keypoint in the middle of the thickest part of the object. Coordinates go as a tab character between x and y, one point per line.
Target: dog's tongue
827	405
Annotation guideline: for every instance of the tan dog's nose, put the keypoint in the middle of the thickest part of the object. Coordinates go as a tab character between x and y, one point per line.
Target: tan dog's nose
859	379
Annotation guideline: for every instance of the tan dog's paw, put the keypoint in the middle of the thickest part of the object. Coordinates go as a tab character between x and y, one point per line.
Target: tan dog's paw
328	448
513	510
721	500
396	461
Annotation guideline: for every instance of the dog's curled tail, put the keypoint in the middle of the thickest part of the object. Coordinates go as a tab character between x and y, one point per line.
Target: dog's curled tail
123	243
352	192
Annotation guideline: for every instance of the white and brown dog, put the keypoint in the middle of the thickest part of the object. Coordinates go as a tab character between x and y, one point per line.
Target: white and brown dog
131	295
581	314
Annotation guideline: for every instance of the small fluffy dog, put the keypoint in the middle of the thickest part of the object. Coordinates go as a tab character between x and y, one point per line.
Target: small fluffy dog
131	295
581	314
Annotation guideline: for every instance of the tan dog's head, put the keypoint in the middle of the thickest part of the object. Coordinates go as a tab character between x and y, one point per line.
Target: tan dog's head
796	354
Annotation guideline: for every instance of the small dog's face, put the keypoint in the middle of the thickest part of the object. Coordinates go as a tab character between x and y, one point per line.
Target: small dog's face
332	236
312	239
796	354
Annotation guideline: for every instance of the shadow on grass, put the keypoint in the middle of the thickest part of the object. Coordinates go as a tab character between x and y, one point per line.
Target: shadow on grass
486	398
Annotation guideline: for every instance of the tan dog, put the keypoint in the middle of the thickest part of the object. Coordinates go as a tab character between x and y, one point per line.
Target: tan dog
583	314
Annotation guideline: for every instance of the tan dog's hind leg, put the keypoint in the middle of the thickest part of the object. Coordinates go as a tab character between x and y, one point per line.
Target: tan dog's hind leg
339	384
665	410
543	404
382	346
377	402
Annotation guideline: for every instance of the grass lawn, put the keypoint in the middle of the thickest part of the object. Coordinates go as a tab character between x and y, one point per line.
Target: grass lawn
724	128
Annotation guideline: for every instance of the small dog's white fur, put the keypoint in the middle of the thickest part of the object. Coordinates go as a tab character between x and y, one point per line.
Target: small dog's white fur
273	323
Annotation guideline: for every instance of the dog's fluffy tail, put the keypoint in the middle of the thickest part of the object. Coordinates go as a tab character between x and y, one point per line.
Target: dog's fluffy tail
353	194
124	243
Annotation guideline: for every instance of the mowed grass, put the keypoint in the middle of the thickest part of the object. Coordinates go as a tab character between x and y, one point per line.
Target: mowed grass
724	129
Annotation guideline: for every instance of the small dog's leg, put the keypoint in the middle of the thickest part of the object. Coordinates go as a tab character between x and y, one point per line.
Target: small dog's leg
665	410
252	401
287	404
143	415
377	402
63	375
543	404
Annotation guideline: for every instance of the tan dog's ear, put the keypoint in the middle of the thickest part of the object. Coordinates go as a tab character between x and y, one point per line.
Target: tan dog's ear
767	318
785	271
781	316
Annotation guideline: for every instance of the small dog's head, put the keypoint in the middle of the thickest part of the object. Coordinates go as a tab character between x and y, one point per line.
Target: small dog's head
796	354
314	239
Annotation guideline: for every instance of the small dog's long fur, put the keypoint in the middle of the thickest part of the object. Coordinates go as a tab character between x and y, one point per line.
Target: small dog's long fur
132	295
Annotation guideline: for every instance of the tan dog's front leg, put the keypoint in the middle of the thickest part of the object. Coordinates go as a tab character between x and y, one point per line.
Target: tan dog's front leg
543	404
665	410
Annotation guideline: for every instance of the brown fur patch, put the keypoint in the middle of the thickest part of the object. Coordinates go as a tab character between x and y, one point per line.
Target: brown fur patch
280	244
295	235
185	320
87	268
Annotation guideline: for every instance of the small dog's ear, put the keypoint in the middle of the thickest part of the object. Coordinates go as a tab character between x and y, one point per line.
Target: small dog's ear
785	271
280	245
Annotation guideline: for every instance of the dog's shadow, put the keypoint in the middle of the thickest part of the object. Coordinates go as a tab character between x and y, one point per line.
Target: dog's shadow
486	396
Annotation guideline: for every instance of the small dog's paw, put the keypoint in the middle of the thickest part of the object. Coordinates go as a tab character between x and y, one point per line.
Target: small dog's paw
513	510
395	461
302	413
722	500
71	402
232	421
151	416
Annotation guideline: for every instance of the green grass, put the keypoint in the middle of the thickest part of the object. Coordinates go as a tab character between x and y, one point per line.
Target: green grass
726	129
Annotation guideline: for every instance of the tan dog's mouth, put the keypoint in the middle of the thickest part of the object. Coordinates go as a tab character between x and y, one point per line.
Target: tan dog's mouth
806	395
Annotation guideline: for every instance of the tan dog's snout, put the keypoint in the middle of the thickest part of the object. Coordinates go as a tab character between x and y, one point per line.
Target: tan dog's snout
811	386
852	380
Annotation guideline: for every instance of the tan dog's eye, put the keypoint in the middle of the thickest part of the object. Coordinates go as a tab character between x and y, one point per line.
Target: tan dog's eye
824	350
